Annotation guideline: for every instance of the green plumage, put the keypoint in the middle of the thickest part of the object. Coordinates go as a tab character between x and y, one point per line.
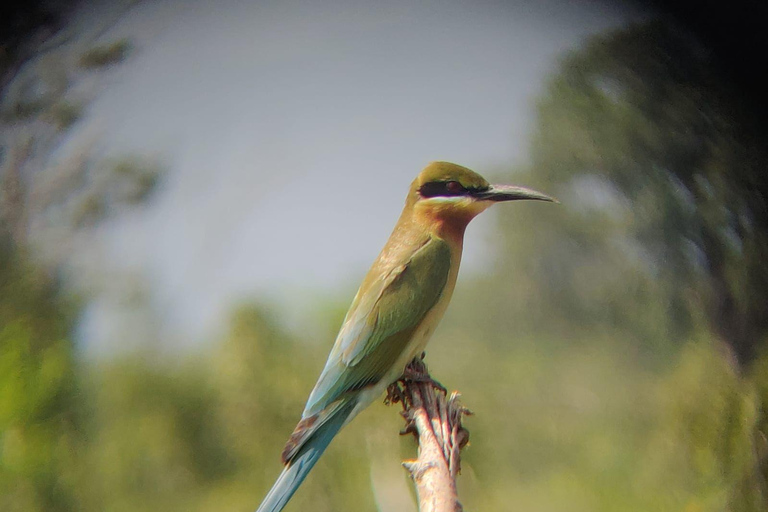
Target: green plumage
380	328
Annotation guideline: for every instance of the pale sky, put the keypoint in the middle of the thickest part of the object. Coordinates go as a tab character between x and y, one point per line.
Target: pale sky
292	131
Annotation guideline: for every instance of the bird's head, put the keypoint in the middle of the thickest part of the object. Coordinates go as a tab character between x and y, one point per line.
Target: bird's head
450	194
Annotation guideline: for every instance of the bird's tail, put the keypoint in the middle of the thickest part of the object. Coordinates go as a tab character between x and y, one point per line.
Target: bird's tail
297	469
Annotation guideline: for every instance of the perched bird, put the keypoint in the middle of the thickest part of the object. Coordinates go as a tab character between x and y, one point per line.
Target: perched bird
395	311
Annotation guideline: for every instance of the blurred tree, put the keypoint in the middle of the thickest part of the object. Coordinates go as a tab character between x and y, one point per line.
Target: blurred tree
153	441
41	403
159	432
52	68
38	390
661	245
23	25
663	177
56	184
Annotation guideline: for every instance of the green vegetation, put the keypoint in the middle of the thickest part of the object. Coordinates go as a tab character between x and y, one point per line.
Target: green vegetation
661	176
615	360
558	426
106	54
658	250
38	390
64	114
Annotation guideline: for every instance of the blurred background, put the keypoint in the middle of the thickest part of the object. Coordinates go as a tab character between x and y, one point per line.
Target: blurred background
192	191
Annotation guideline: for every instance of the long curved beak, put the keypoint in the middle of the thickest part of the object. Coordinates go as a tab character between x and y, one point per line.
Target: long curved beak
512	193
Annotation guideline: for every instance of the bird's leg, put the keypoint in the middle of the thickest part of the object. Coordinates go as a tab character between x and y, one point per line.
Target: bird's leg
396	394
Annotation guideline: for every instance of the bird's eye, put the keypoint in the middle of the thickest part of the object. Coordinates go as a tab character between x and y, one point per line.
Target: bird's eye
454	187
442	188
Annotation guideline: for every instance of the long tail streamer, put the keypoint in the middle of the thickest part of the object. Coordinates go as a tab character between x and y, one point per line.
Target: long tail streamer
296	471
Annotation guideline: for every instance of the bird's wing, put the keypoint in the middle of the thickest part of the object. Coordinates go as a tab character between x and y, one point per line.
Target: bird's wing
380	324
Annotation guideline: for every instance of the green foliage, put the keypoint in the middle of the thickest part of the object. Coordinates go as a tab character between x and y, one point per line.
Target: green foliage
558	426
106	54
24	109
152	437
93	191
64	114
201	433
656	251
37	391
660	174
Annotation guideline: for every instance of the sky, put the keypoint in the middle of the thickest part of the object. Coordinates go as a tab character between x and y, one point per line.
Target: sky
291	131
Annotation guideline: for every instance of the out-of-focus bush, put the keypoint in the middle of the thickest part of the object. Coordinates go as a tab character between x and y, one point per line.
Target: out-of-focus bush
38	390
106	54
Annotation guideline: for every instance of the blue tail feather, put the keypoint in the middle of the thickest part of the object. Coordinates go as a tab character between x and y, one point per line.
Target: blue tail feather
296	471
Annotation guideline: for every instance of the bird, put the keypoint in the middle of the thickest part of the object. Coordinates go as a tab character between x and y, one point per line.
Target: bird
395	311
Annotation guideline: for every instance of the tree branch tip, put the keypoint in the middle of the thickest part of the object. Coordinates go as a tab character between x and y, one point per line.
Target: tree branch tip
434	417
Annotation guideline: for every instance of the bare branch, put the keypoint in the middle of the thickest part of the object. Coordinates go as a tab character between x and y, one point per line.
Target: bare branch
435	420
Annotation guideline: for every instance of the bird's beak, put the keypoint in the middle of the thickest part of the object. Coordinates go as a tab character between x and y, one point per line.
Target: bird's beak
512	193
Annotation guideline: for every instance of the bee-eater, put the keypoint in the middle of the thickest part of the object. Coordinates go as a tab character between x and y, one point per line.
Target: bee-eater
394	313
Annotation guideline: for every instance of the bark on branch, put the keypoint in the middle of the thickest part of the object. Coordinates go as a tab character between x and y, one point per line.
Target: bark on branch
435	420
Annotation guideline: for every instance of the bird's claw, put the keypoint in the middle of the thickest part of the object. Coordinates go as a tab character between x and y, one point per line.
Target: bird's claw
417	373
394	394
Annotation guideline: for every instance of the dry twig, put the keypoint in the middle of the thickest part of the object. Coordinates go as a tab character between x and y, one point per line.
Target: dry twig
435	420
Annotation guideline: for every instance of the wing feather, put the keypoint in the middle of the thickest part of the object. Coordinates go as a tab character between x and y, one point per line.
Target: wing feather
380	325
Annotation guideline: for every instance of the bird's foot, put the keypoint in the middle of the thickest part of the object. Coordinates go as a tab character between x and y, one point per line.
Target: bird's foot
394	394
416	371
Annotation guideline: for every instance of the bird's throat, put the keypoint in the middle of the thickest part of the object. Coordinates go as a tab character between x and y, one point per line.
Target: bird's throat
448	225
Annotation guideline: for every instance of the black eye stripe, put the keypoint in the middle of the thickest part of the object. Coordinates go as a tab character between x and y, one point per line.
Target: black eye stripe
441	188
445	189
